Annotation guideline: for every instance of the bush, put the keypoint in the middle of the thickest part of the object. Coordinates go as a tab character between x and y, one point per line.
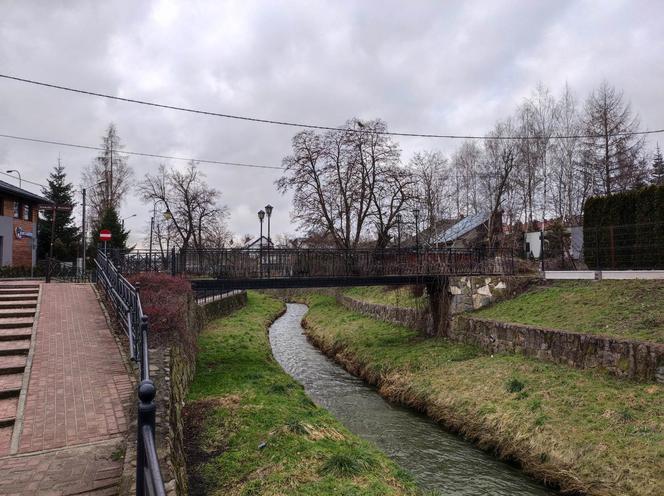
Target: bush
625	230
167	301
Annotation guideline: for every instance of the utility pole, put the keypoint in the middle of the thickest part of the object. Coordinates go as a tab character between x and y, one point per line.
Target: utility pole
50	249
83	234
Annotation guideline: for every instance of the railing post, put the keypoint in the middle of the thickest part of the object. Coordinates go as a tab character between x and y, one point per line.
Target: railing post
173	269
146	416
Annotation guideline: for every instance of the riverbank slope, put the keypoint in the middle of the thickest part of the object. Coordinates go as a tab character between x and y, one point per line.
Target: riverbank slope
250	428
583	430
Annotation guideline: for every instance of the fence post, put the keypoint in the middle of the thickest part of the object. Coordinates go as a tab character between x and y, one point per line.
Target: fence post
146	416
173	269
542	247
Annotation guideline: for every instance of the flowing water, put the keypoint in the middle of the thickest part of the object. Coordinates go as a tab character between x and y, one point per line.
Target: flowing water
437	459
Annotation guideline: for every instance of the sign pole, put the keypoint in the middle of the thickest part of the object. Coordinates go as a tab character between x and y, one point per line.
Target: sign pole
50	249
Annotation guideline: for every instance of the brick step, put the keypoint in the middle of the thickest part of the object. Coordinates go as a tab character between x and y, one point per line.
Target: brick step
18	289
10	322
6	438
19	296
16	312
14	285
8	408
15	347
14	333
12	364
18	304
11	382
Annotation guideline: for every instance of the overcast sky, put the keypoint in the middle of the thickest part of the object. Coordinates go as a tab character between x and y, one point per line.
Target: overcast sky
437	67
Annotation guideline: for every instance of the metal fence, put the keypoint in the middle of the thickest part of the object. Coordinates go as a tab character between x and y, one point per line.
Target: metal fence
298	263
126	303
616	247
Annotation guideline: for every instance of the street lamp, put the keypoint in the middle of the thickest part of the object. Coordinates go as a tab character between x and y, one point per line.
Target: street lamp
20	182
268	211
132	215
416	213
261	216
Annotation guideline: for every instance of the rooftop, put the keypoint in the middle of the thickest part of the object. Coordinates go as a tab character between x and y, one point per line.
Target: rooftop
15	191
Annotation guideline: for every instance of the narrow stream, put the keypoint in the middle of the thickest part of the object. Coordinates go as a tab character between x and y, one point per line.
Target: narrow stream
437	459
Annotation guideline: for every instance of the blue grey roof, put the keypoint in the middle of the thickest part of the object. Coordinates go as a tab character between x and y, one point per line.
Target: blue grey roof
462	227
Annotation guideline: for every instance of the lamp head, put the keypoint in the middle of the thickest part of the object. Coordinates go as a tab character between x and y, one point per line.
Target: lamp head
268	209
261	215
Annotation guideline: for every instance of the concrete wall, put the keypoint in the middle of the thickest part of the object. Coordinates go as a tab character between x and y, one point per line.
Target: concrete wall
623	358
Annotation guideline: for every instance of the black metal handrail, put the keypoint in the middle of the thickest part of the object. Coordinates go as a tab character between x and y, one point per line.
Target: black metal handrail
126	302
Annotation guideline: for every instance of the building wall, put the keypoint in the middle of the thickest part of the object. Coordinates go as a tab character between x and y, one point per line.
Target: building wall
18	252
7	234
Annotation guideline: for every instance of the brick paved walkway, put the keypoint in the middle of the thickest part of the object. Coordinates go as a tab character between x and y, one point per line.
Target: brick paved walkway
69	437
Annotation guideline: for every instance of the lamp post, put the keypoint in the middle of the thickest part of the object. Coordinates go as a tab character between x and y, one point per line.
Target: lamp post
261	216
132	215
268	211
416	213
20	182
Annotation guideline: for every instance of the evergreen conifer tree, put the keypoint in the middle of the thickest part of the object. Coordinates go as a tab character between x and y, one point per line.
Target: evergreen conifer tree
658	168
110	220
66	236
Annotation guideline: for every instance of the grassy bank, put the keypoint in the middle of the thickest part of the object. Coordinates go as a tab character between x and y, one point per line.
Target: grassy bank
396	296
585	430
626	309
252	430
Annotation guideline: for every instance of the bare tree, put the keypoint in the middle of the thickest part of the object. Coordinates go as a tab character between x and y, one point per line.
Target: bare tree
570	187
334	176
107	179
613	152
431	173
192	204
501	155
392	193
466	163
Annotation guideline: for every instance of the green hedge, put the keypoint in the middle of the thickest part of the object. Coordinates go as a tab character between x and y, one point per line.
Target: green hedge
625	230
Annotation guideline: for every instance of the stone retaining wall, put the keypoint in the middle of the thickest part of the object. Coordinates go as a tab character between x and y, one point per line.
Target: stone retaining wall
413	318
172	369
635	360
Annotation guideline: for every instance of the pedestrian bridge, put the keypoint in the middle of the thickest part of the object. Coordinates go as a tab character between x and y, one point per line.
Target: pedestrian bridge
236	268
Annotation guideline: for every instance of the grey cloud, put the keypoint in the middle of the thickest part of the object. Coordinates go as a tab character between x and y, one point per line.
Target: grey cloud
423	66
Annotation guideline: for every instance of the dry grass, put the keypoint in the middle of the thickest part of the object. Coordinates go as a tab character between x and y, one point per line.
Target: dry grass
251	429
583	430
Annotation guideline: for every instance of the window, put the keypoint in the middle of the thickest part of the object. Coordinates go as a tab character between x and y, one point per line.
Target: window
17	210
27	212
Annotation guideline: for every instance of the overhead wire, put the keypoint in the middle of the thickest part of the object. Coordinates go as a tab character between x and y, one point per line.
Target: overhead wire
305	125
139	154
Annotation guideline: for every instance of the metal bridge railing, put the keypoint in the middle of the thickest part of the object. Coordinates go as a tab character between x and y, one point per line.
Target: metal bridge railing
289	263
126	303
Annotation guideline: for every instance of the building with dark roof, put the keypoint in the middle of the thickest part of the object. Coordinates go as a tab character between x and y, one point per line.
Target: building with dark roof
470	231
19	213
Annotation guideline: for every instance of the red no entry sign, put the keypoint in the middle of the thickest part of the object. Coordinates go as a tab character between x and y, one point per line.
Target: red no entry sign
105	235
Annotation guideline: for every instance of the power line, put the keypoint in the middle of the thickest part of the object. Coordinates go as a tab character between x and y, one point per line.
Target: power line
139	154
308	126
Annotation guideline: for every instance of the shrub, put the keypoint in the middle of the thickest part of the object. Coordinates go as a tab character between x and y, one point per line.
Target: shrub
514	385
167	302
625	230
